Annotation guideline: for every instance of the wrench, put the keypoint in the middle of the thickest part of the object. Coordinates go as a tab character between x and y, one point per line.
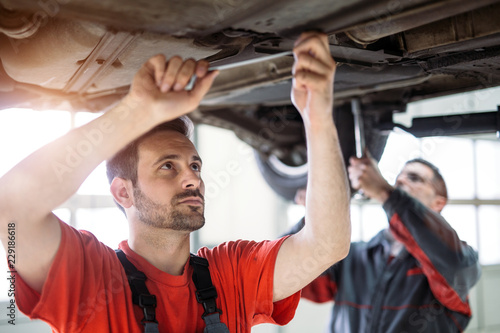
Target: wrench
359	138
359	131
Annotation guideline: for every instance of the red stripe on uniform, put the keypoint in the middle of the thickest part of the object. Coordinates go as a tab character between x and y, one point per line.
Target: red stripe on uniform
455	321
355	305
439	286
414	271
411	306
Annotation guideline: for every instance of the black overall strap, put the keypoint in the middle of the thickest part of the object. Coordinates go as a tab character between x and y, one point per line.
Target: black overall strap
206	295
140	293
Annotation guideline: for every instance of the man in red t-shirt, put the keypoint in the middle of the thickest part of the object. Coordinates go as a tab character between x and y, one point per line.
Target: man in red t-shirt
76	284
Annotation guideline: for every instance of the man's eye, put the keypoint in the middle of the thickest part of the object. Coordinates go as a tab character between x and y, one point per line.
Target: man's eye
415	178
195	167
167	166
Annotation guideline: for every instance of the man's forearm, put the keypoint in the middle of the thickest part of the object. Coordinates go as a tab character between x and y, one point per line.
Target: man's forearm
328	196
49	176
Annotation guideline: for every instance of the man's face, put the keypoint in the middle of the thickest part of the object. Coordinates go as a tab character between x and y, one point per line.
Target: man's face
417	180
169	190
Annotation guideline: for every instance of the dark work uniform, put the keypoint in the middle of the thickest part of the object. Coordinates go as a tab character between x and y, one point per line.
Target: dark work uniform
424	288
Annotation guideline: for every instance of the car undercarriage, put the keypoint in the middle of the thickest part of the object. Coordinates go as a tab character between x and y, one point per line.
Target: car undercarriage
81	56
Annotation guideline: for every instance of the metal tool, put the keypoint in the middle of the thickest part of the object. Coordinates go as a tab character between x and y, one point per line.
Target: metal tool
359	138
265	57
244	62
359	131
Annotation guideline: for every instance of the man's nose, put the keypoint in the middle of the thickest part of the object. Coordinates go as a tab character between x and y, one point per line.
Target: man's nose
400	181
191	179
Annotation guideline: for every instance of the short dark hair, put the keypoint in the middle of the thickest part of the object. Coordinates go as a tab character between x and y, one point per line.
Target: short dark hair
437	180
124	163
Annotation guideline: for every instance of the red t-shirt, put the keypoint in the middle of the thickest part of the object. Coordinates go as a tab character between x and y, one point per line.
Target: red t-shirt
87	290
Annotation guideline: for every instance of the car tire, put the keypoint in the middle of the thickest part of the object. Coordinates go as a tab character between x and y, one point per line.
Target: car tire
285	179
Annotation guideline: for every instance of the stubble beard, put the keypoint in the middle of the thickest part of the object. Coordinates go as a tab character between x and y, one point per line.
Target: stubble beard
169	216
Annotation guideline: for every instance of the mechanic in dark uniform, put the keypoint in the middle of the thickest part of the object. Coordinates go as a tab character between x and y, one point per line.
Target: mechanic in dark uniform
414	276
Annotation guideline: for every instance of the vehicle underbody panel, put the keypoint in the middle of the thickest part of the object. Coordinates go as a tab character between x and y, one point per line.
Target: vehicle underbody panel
81	55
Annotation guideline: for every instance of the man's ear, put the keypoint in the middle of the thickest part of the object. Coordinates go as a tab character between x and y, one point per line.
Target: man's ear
439	203
121	189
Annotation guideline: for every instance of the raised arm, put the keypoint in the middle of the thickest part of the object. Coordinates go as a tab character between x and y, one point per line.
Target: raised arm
325	239
49	176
